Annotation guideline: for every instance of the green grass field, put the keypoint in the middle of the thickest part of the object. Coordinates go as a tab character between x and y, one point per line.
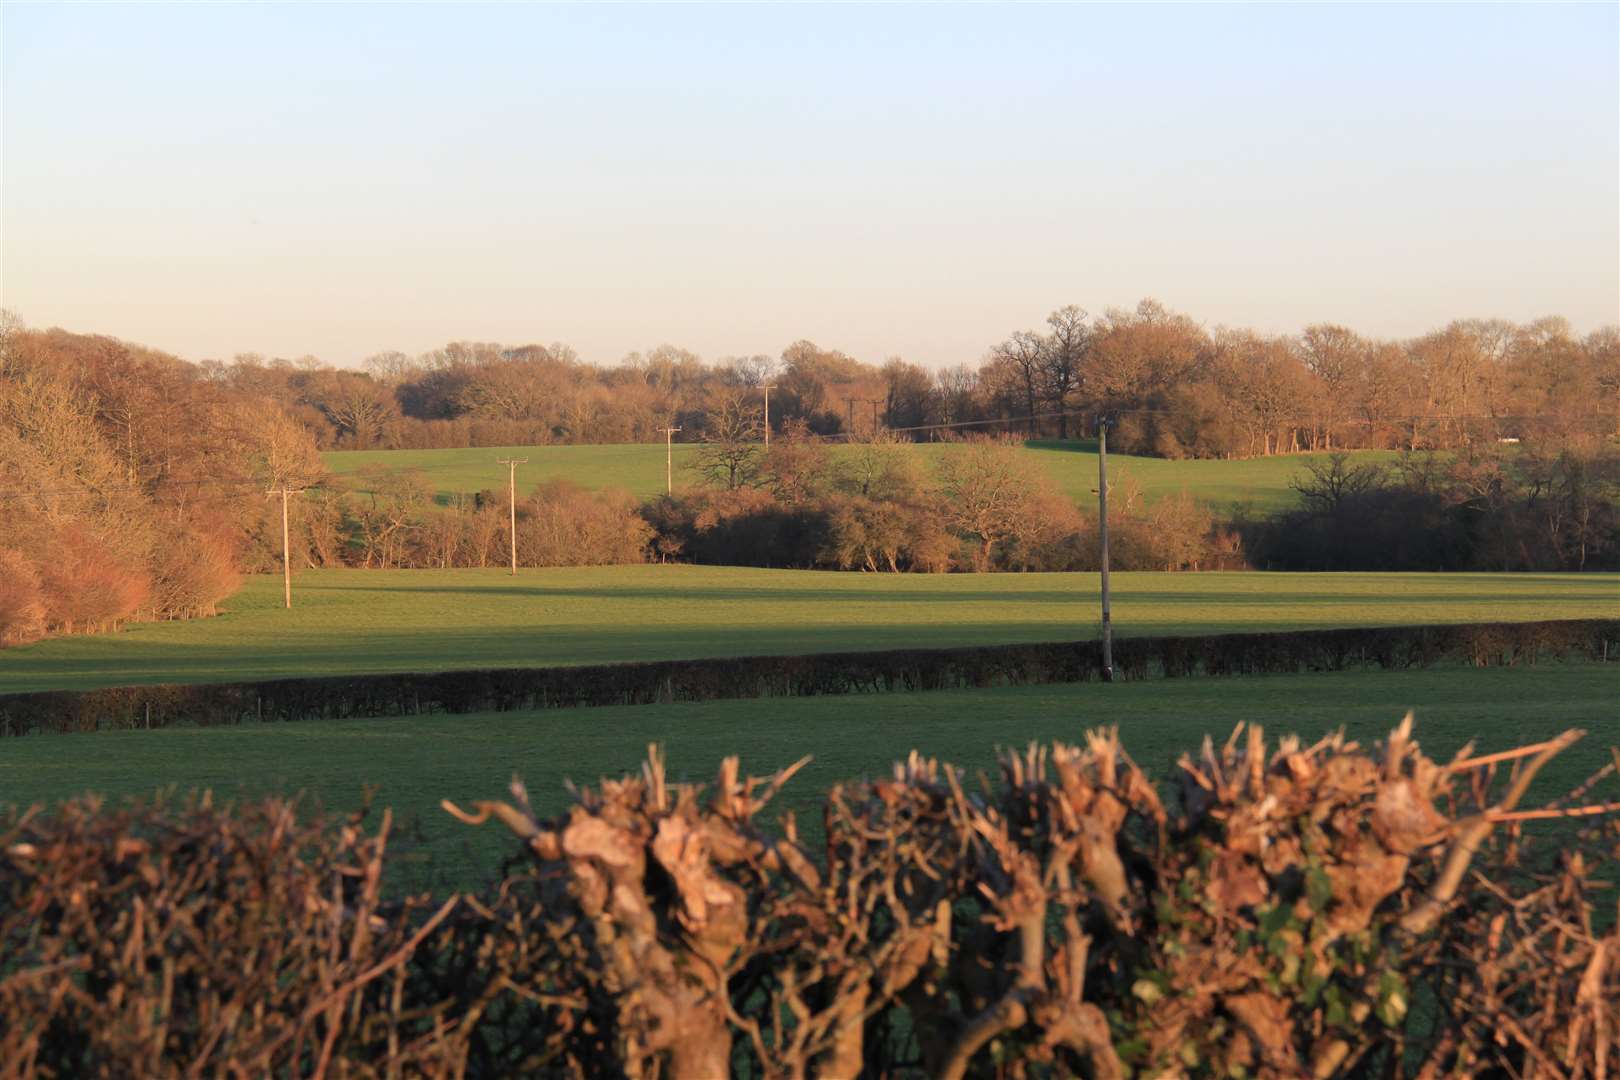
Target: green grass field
419	760
346	621
1260	483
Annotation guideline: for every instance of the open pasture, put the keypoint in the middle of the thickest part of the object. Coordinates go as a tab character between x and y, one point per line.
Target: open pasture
349	621
416	761
1258	483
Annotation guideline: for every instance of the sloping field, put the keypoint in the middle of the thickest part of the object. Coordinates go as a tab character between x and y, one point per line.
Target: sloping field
416	761
347	621
1261	483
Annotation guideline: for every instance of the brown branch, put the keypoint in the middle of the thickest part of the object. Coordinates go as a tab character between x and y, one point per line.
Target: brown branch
393	959
509	816
1492	759
1556	812
1472	834
1010	1011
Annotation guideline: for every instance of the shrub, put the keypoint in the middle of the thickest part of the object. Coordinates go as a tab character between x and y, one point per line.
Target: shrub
1477	511
563	524
869	534
22	607
191	575
738	527
162	938
87	586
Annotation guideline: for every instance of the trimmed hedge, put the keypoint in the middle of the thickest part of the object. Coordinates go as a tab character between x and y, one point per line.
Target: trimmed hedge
509	689
1268	909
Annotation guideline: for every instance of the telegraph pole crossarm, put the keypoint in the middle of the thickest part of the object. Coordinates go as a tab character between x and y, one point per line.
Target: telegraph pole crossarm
511	499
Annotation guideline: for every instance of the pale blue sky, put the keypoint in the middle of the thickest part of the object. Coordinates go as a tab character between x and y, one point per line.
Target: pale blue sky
908	180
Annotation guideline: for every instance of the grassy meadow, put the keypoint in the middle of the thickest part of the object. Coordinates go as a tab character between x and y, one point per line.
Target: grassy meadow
416	761
347	621
1259	483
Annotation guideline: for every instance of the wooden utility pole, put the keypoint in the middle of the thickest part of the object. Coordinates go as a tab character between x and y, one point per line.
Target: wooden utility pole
875	402
286	554
768	389
511	499
849	401
1102	518
669	459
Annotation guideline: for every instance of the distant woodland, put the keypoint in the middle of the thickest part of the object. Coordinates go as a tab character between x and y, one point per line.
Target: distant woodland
136	485
1180	390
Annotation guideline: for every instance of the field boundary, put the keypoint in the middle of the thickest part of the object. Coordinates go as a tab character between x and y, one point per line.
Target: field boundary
808	675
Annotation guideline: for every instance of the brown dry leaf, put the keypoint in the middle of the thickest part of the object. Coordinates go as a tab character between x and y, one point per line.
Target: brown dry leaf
1266	1020
1235	882
1404	819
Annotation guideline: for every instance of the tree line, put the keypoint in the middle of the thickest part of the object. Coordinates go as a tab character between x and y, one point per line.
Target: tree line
984	505
135	484
1177	389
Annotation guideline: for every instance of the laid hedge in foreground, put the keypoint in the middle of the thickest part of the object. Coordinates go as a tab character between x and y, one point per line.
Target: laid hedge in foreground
1322	911
506	689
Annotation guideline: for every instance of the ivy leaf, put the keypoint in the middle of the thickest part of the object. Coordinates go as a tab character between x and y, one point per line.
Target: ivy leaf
1391	999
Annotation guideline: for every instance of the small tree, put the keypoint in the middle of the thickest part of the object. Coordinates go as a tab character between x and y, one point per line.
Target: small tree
729	455
1327	485
278	449
795	467
881	468
993	493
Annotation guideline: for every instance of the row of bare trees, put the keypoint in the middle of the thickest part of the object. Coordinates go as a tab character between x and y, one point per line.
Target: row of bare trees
1181	391
1178	388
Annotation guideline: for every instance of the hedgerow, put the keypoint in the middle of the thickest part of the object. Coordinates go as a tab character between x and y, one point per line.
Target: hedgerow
507	689
1275	910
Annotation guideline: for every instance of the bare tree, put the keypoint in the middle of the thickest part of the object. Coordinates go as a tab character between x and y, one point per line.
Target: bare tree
1063	358
1022	358
795	467
729	456
993	493
279	451
391	367
356	405
1338	358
